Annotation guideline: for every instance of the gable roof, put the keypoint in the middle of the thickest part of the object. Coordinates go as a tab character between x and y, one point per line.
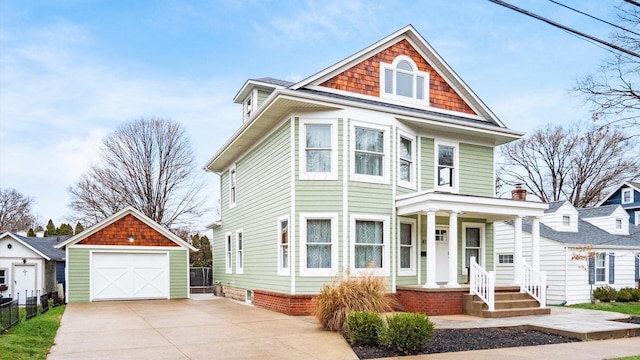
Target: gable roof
43	246
308	95
410	34
631	184
119	215
554	206
599	211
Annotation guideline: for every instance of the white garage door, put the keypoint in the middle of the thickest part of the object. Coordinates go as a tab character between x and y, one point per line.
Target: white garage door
119	276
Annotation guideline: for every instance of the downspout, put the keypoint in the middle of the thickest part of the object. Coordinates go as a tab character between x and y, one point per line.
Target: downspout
566	273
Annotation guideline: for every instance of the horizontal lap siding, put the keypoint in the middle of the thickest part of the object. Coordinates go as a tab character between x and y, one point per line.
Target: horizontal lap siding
178	274
263	195
476	170
79	274
318	196
426	163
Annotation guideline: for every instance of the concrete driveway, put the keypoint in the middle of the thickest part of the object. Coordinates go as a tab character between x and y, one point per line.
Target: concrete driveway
216	328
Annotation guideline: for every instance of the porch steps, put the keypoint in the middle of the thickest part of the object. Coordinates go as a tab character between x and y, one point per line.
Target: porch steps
507	304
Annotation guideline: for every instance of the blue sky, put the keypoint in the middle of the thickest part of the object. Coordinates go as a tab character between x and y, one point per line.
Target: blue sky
72	70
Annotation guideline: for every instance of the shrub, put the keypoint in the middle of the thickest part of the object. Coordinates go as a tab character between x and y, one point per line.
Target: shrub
627	294
364	327
347	294
605	293
408	332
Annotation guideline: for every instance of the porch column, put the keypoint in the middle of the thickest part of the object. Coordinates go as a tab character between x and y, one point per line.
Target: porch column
431	250
453	250
535	243
517	251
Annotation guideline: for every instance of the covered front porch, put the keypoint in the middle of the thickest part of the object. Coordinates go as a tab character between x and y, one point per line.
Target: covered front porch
457	248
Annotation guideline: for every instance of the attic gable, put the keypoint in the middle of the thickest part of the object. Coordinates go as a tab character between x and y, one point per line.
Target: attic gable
365	78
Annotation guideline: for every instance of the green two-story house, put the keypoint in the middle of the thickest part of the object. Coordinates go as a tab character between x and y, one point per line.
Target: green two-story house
382	162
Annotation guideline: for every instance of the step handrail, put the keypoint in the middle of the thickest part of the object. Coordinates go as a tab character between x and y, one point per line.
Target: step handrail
534	283
482	283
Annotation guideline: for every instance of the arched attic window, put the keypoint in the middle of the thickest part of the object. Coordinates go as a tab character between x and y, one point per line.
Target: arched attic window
401	80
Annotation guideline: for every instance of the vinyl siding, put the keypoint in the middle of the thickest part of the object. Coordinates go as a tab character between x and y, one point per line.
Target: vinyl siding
318	196
476	170
262	95
263	194
178	274
426	163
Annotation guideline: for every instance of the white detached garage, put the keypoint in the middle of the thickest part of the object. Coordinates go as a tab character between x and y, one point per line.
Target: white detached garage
127	256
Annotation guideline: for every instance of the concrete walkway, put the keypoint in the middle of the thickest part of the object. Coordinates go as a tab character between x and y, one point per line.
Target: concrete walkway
190	329
207	327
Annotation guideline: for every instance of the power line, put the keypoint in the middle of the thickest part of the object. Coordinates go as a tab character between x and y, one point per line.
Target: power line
566	28
594	17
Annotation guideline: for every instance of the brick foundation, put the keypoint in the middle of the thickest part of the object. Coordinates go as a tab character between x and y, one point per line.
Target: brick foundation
295	305
432	302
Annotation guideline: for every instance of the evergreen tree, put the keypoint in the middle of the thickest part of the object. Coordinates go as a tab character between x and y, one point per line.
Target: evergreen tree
51	229
79	228
65	230
31	233
202	257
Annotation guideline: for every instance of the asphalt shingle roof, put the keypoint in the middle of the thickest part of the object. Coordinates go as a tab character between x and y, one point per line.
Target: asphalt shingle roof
46	245
599	211
554	206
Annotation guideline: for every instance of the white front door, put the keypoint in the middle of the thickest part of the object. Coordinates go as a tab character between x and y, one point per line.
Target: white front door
121	276
442	255
24	282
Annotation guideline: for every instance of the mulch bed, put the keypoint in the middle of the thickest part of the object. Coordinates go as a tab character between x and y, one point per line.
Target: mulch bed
451	340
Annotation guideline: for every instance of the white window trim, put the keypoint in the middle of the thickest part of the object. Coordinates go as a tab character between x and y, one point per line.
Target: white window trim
303	174
456	165
498	263
240	253
384	179
6	271
304	271
228	253
637	218
618	224
282	270
627	190
568	217
411	271
399	98
606	268
404	134
233	200
482	261
385	270
249	105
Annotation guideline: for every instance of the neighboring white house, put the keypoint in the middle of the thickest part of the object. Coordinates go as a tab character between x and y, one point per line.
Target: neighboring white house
29	266
613	241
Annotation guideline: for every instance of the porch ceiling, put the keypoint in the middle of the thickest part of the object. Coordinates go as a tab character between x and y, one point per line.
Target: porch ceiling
492	209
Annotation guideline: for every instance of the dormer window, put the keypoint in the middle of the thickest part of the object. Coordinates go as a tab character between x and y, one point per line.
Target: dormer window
627	196
618	224
401	80
566	220
248	107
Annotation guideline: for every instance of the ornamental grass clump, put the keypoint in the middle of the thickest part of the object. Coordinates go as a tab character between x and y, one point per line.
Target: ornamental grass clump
347	294
408	332
364	327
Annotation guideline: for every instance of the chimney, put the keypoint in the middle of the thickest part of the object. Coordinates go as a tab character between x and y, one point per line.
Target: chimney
519	193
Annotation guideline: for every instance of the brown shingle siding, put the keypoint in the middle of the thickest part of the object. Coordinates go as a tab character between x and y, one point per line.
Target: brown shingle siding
118	234
364	78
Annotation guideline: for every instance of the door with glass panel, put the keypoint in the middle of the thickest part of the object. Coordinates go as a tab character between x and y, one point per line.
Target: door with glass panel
472	245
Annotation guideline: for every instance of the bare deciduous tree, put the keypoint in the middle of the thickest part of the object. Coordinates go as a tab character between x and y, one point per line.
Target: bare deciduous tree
15	210
577	164
148	164
614	90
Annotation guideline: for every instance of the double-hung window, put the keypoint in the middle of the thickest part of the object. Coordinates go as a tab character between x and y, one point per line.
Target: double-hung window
407	252
402	81
369	243
618	224
370	153
318	149
406	160
446	166
228	253
239	252
566	220
600	267
627	195
319	250
232	186
3	276
283	246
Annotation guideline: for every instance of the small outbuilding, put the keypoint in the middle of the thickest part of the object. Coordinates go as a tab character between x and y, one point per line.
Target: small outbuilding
30	266
127	256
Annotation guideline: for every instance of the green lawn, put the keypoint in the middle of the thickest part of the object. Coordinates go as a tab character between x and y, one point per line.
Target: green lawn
621	307
31	339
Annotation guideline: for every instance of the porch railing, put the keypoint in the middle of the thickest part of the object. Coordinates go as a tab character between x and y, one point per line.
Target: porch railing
482	283
534	283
